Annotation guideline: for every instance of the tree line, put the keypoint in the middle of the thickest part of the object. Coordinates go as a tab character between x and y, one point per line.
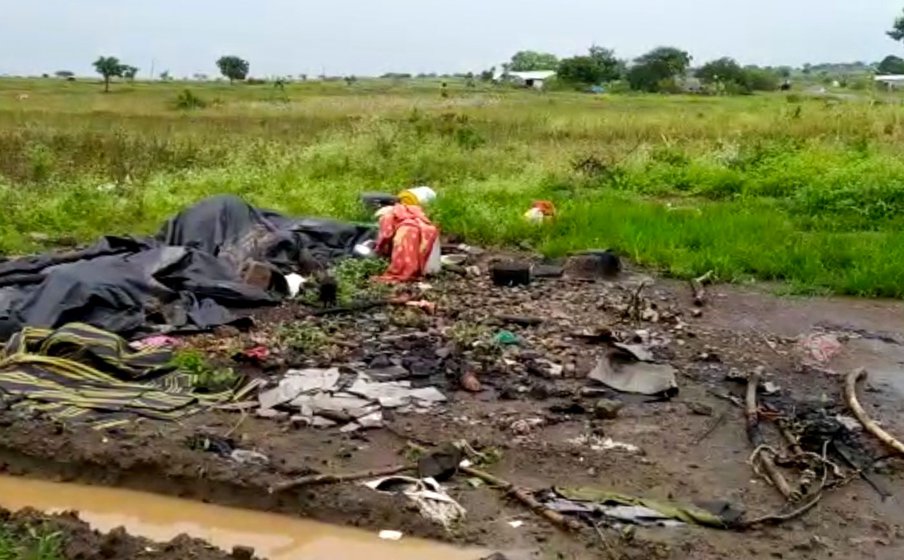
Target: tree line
660	70
231	67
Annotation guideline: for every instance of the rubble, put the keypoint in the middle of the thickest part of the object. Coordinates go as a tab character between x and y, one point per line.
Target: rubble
326	397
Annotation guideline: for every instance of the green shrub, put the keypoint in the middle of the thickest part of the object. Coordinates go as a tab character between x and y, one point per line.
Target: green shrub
188	100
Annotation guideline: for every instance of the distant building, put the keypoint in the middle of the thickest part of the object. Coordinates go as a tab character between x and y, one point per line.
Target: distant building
691	85
533	79
891	81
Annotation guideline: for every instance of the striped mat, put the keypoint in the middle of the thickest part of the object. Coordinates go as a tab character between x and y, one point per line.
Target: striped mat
82	374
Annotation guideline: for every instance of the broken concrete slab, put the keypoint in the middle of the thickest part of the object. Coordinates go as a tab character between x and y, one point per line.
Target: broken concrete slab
635	377
297	382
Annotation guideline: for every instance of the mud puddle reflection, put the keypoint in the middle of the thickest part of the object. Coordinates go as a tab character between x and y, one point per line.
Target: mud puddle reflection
161	518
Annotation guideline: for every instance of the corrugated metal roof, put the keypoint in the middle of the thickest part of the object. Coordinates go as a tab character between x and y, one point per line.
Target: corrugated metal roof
534	75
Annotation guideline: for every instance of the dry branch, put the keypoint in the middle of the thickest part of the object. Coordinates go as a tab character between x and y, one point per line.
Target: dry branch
756	439
525	498
850	394
329	478
698	289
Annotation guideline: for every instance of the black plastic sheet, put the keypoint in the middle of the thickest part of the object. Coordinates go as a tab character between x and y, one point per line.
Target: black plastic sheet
187	277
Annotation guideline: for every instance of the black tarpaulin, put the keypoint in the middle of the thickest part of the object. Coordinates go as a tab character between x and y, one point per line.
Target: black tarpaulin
187	277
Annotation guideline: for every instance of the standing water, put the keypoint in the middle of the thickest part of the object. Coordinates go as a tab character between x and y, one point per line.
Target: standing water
161	518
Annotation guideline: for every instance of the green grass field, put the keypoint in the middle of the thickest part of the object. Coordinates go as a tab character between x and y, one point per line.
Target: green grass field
806	190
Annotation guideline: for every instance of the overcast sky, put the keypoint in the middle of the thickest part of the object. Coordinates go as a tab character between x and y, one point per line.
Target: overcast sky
366	37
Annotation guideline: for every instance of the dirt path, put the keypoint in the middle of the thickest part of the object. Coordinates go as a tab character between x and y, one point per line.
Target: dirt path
692	448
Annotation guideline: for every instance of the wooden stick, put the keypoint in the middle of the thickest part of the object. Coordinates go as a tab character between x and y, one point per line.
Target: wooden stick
781	517
776	518
698	290
850	394
237	424
793	442
756	439
712	428
525	498
328	478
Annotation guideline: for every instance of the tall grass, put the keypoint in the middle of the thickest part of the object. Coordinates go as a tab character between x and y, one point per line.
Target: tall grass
808	191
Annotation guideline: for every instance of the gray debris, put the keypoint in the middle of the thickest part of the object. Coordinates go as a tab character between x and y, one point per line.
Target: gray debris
324	398
850	423
390	373
337	404
639	515
248	457
272	414
395	394
638	351
297	382
639	377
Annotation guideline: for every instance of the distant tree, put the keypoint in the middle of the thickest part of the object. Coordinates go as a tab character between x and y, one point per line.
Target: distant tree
658	69
725	73
109	67
129	72
233	67
807	68
65	74
303	77
761	79
488	75
891	65
598	66
165	76
723	70
784	72
897	30
350	80
525	61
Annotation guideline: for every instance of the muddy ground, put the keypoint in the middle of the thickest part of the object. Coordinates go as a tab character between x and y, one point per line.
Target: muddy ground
77	541
542	422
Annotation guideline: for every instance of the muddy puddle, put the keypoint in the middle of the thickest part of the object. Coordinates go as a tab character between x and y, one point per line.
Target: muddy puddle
161	518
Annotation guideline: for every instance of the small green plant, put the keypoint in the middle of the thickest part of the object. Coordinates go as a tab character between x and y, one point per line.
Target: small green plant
41	162
408	318
466	333
187	100
303	337
205	376
354	277
32	543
